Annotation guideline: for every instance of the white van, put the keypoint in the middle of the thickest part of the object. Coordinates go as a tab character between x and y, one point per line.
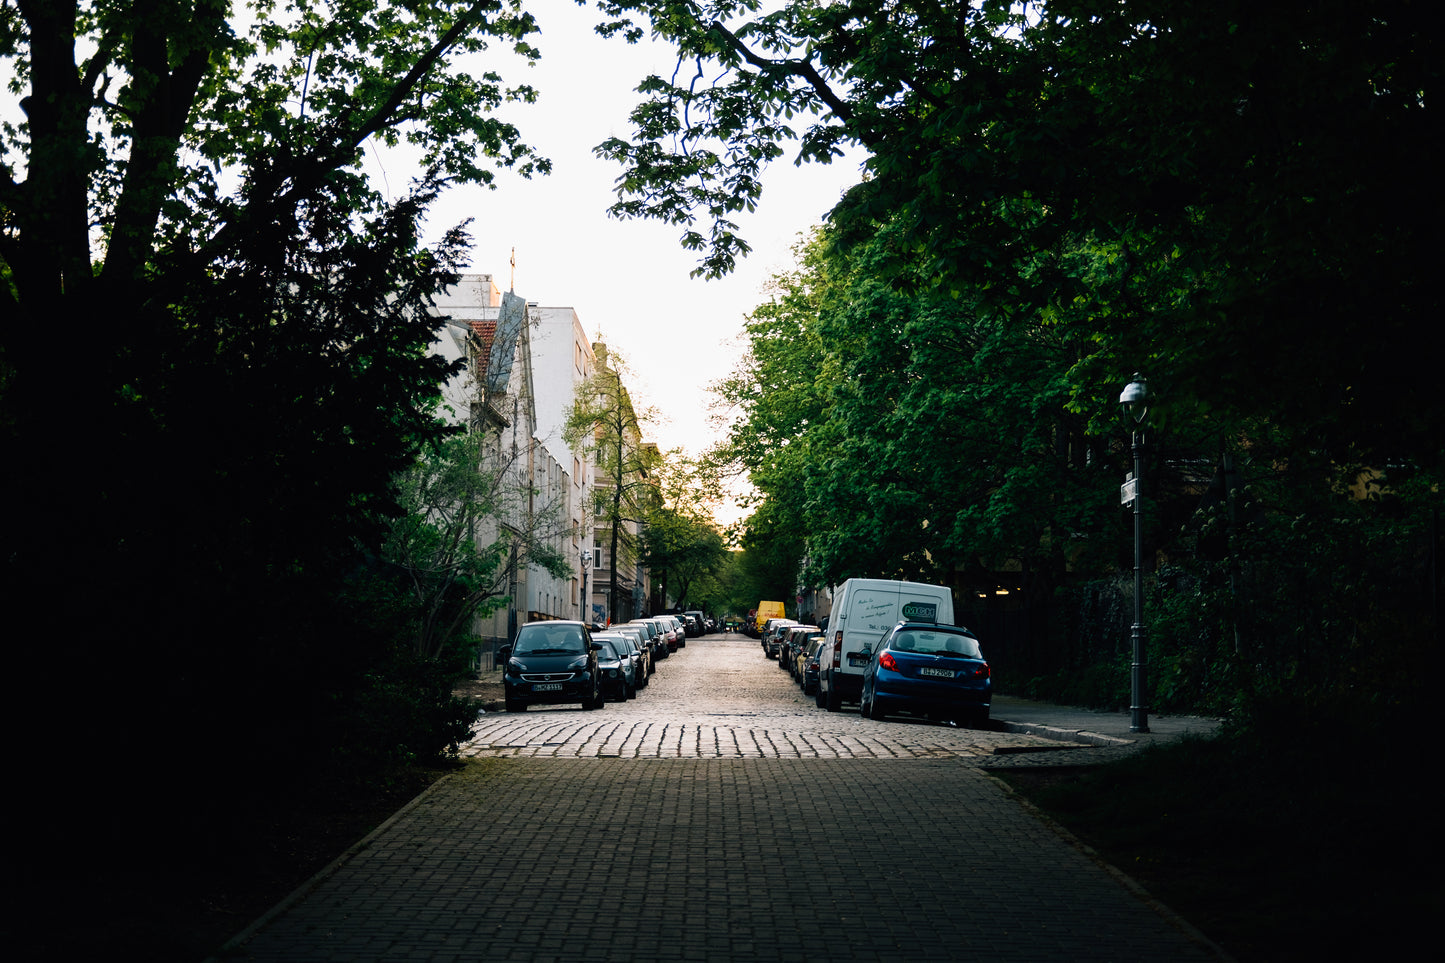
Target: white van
864	609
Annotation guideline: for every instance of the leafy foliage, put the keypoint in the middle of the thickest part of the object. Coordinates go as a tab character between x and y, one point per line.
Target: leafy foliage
681	544
1058	196
604	422
466	519
229	329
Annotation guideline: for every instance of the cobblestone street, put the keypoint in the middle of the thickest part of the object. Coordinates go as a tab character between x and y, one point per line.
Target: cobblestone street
719	698
721	816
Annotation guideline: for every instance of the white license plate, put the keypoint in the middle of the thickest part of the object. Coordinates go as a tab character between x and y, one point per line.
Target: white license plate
857	660
547	687
941	673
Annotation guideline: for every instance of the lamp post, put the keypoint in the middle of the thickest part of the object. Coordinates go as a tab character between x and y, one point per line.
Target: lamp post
586	601
1134	402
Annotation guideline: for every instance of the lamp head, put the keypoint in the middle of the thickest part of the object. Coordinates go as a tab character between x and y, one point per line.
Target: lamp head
1135	392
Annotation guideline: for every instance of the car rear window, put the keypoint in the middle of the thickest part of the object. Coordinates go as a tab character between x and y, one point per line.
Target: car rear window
937	643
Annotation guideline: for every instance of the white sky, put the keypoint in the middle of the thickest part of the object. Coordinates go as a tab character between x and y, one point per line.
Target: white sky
627	280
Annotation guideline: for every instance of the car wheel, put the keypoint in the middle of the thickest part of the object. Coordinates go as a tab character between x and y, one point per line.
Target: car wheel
874	711
818	696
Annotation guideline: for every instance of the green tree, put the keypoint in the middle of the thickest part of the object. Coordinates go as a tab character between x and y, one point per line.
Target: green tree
681	545
1259	178
465	525
202	292
1229	198
604	422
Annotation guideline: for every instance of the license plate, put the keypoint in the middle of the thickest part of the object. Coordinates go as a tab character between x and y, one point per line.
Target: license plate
857	660
547	687
941	673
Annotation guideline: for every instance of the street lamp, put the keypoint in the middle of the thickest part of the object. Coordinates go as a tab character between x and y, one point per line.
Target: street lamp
1134	402
586	601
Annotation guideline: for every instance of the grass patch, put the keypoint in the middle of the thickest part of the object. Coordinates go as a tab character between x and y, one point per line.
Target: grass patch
1307	843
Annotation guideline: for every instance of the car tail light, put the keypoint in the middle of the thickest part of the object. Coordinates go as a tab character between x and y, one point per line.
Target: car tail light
980	673
838	649
887	661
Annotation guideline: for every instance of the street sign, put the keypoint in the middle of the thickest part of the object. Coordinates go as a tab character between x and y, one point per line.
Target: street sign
1128	491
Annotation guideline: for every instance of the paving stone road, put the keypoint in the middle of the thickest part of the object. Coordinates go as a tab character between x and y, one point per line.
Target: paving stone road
719	698
720	816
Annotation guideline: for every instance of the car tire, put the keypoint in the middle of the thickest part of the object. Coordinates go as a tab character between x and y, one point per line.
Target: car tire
834	701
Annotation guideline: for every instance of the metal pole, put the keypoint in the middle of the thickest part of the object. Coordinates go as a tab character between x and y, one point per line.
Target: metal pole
1139	670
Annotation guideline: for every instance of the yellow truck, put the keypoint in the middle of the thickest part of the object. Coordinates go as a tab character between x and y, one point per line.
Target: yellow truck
767	610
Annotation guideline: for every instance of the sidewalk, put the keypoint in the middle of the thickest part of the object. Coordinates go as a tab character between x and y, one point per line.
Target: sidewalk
1086	727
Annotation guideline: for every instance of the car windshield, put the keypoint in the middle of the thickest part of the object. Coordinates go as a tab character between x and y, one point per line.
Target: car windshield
927	642
550	640
607	653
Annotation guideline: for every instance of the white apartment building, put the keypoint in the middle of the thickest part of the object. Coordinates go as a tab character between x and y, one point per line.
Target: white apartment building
524	363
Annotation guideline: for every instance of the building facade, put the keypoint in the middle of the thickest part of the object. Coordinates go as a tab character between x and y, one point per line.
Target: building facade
523	363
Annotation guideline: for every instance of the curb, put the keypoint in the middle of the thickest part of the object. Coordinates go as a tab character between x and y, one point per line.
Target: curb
1080	736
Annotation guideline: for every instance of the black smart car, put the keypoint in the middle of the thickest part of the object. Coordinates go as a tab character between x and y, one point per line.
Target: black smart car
549	663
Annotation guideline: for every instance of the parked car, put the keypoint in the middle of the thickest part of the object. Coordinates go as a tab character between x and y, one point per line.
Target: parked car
550	663
656	637
863	610
794	644
616	671
669	634
638	634
702	626
931	670
632	649
678	626
809	678
772	635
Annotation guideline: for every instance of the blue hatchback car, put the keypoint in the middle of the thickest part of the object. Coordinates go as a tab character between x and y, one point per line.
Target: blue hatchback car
937	671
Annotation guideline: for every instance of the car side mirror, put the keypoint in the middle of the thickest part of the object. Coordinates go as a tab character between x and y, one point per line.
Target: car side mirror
595	646
504	653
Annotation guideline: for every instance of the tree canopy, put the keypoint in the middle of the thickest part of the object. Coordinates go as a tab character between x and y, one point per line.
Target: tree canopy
214	357
1235	200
